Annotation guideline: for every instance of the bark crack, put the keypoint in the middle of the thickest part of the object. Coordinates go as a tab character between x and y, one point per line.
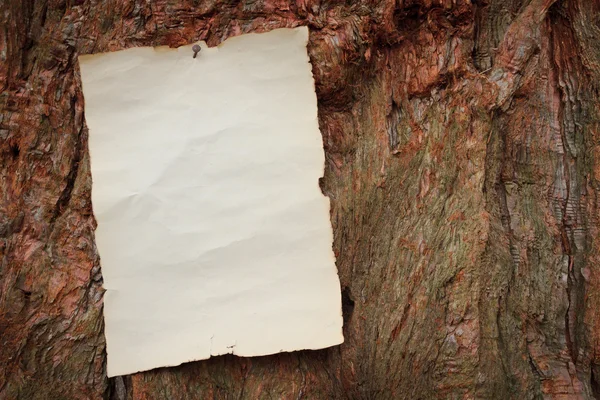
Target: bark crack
65	196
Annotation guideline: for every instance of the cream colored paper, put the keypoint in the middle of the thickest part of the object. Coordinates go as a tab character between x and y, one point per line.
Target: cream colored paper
213	234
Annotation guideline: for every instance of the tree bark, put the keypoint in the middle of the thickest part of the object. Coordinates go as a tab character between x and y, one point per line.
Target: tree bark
462	146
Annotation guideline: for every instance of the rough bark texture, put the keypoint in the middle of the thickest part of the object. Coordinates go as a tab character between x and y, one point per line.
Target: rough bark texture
462	144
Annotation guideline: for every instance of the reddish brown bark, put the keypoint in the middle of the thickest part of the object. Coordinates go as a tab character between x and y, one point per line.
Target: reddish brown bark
461	140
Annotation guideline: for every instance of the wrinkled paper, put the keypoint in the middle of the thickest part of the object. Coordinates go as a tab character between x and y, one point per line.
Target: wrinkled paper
213	234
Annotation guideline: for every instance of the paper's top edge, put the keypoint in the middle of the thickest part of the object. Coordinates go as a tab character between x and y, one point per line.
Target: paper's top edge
297	30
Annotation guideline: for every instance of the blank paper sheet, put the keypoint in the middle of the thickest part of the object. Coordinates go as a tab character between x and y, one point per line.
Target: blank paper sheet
213	234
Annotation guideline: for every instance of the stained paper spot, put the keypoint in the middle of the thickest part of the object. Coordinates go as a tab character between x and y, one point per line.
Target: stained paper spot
213	234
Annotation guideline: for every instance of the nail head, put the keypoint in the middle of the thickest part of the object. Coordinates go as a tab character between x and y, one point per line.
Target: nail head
196	49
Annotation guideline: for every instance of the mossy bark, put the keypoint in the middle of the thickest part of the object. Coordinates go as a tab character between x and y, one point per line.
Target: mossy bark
462	145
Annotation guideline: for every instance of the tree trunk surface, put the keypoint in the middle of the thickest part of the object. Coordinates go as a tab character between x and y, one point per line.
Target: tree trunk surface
462	146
